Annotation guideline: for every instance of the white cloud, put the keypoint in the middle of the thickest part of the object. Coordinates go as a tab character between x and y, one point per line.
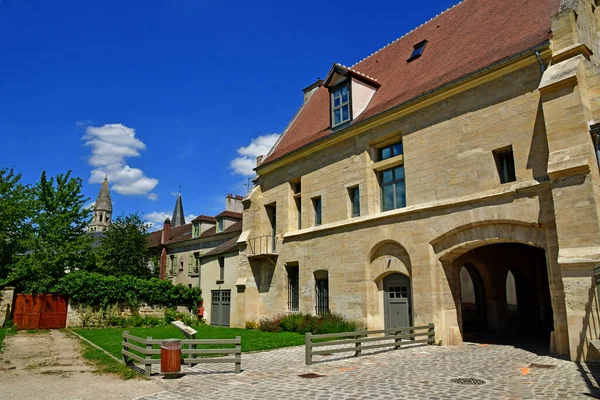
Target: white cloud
259	146
111	145
156	219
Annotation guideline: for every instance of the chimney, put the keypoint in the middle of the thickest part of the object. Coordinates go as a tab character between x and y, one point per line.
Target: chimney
309	90
234	204
166	233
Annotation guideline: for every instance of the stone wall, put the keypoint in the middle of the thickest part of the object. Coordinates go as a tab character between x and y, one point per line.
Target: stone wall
76	312
7	296
455	200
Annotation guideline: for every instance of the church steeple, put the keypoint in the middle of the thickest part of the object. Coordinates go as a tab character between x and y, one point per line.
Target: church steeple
178	216
102	209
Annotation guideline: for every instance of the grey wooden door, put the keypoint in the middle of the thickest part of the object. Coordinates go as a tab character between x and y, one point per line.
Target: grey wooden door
397	301
220	307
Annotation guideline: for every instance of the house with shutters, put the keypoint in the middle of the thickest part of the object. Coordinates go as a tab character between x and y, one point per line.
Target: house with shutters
450	177
203	253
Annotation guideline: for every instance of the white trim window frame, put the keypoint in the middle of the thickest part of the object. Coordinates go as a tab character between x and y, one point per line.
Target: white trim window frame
340	104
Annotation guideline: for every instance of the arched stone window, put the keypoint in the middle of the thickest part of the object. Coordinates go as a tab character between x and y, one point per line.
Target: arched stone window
511	294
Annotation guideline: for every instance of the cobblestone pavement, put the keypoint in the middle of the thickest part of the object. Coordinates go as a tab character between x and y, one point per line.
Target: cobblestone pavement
419	372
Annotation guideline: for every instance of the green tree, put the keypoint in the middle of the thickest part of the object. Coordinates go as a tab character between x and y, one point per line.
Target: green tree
124	248
57	242
16	211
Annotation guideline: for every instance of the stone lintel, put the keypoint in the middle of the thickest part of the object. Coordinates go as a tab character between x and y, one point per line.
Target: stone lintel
560	75
572	52
569	162
579	258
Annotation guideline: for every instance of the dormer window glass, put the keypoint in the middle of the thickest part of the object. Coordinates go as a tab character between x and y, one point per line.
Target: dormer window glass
418	50
220	225
196	231
340	105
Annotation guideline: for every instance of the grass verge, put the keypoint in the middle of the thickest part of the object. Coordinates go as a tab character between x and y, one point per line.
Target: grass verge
252	340
105	364
4	332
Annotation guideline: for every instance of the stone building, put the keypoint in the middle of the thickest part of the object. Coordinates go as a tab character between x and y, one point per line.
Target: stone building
204	253
465	151
102	210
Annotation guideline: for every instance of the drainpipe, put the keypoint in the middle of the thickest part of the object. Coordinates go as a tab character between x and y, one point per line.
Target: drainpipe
542	65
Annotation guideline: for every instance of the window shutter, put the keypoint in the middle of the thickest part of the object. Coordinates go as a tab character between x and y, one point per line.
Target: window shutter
191	265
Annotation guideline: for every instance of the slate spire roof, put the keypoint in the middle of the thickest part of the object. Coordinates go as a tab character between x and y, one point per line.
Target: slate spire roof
103	202
178	216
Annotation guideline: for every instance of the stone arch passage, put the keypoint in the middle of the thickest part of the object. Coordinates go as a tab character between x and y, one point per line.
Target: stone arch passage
506	273
472	299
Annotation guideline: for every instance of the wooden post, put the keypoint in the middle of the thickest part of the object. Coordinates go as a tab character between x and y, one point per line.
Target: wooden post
357	345
431	334
125	347
397	340
194	346
308	348
148	367
238	355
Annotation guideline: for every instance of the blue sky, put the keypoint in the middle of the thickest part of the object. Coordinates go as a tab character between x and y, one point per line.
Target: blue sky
159	93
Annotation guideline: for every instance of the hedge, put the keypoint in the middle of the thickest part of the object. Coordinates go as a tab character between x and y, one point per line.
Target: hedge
100	290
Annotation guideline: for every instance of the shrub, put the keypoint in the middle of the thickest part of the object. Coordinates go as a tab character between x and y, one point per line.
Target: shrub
170	315
302	323
126	291
252	325
151	320
270	325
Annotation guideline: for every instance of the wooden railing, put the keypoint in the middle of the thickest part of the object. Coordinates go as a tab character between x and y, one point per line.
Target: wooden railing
393	339
137	349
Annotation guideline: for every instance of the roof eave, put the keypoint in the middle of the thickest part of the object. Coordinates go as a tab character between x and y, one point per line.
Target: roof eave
267	166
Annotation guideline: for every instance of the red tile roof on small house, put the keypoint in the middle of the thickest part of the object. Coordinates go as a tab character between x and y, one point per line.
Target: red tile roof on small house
461	41
230	214
204	218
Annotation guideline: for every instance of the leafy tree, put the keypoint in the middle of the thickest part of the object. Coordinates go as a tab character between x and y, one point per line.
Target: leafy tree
124	248
57	242
16	210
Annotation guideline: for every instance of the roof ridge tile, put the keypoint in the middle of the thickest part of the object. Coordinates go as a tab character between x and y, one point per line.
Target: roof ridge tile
408	33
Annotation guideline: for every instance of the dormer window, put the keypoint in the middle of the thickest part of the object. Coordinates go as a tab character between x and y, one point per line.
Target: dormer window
196	231
350	93
220	225
340	104
418	50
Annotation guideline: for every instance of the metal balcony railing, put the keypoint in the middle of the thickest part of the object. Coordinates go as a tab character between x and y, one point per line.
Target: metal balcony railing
262	245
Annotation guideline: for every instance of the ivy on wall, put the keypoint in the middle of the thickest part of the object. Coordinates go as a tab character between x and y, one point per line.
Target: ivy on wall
95	289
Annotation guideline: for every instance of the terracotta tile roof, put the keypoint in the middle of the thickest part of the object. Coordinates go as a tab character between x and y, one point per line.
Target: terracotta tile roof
465	39
227	247
155	238
230	214
184	232
204	218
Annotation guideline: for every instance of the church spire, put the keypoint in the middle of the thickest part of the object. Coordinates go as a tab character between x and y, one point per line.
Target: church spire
102	209
178	216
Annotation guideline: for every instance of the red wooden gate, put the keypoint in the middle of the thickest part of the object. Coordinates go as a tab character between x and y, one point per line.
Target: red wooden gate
42	311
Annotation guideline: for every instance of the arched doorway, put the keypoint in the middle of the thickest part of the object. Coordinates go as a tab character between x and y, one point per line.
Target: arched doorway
397	301
472	299
512	296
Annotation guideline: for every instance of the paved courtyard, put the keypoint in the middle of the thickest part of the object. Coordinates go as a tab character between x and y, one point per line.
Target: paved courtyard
419	372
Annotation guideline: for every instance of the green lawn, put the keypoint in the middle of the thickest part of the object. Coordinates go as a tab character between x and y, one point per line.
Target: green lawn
252	340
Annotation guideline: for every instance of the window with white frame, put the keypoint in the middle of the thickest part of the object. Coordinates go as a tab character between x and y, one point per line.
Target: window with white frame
340	104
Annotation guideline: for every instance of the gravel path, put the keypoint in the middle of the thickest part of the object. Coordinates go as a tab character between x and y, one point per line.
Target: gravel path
50	366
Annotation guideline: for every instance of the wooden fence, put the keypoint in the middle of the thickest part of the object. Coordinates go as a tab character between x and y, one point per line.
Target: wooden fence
136	349
392	339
